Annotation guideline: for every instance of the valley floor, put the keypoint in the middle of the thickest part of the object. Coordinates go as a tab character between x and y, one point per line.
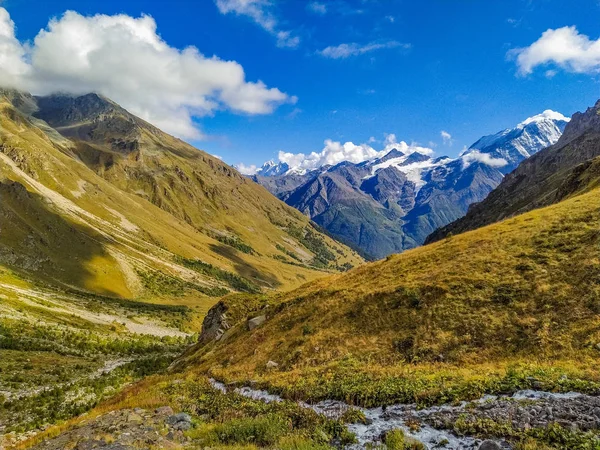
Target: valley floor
215	415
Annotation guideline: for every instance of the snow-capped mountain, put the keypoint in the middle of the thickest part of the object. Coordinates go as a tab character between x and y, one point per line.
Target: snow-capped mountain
393	201
273	169
526	139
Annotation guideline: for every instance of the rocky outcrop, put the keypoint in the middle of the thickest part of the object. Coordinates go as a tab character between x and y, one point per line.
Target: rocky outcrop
214	324
125	429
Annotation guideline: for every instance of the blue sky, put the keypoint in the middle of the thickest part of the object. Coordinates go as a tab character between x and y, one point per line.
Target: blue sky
411	68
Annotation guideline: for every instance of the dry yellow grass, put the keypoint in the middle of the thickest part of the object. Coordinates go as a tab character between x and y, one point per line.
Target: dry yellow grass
526	290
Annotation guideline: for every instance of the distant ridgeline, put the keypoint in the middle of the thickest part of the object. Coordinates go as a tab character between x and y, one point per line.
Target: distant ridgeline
394	201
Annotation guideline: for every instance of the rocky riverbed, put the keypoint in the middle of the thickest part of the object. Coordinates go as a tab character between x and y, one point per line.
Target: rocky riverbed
436	427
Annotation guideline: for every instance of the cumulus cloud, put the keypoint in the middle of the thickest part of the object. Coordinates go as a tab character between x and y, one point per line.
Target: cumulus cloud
317	8
12	54
446	138
125	59
246	170
343	51
564	47
335	152
484	158
261	12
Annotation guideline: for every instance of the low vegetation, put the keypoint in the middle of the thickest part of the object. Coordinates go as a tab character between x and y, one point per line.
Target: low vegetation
225	420
234	281
507	307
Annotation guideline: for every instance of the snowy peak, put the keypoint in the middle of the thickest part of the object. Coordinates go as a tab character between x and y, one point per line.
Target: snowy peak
273	169
392	154
547	115
516	144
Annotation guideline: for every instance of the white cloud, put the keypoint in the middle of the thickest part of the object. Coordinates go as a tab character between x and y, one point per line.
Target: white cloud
446	138
246	170
261	12
343	51
390	19
564	47
335	152
12	54
124	58
317	8
484	158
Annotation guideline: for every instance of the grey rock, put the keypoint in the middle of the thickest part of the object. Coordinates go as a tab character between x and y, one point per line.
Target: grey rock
164	410
489	445
272	365
182	426
177	418
256	322
214	324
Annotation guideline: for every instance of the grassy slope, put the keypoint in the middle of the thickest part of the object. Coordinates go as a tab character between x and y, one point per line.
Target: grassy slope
131	234
86	269
477	312
513	305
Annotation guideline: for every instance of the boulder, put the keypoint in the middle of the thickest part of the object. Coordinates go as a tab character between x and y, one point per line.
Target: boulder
489	445
164	411
215	324
177	419
272	365
257	321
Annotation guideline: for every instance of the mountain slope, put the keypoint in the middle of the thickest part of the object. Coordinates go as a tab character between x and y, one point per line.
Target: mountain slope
393	202
189	184
115	240
494	309
541	180
64	227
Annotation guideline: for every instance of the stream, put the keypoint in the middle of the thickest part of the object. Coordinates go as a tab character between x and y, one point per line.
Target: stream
524	409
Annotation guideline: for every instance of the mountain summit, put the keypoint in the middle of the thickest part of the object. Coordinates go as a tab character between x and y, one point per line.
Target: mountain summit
391	202
516	144
547	177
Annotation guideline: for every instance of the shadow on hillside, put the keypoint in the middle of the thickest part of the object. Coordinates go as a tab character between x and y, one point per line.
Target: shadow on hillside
37	240
245	269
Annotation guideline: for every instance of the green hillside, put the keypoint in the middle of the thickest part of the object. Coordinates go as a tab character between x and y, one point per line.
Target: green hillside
117	268
490	310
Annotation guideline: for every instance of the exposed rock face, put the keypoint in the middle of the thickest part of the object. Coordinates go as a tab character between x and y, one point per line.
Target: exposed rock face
545	178
214	324
392	203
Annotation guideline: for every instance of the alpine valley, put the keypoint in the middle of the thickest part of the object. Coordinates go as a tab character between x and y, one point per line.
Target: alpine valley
393	201
152	297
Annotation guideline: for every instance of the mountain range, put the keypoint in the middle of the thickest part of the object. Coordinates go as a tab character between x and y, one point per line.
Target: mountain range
394	201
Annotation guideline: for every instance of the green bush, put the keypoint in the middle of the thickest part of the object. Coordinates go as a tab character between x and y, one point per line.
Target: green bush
262	431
